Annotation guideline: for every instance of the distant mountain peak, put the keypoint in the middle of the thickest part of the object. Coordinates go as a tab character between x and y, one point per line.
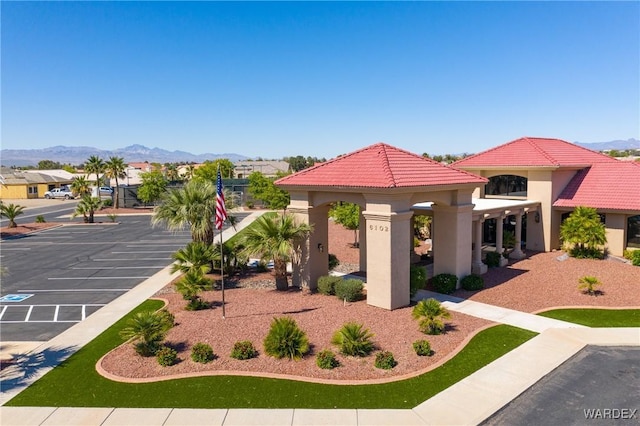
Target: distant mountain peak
618	144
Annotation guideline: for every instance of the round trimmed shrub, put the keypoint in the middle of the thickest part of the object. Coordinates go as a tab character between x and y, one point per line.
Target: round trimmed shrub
492	259
202	353
327	360
286	339
417	279
166	356
243	350
385	360
472	282
327	284
349	290
422	347
444	283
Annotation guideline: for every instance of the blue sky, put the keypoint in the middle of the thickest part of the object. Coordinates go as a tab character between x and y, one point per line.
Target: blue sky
320	79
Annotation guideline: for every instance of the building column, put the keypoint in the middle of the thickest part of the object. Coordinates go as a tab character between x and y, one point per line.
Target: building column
312	259
452	240
387	258
517	251
477	267
499	236
362	239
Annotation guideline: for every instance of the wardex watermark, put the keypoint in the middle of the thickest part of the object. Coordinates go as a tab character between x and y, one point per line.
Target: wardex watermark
611	413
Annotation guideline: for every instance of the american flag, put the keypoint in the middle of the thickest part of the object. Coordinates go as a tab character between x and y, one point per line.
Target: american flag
221	211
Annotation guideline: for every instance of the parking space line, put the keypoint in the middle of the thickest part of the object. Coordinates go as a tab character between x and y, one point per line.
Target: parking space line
147	245
15	248
62	290
96	278
26	319
99	268
147	251
4	308
55	314
133	260
84	312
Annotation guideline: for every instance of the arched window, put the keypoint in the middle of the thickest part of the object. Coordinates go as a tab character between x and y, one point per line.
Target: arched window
633	232
506	185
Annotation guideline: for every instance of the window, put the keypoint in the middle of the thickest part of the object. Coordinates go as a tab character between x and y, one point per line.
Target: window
33	190
633	232
506	185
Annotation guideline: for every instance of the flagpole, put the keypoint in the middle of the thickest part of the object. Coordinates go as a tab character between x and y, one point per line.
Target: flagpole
222	272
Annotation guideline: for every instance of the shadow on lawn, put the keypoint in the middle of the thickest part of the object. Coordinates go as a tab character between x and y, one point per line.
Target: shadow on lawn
24	368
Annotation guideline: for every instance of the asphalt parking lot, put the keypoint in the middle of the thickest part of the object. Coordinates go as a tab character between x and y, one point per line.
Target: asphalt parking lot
58	277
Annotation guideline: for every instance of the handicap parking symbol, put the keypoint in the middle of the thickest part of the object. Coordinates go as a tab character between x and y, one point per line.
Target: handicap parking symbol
14	297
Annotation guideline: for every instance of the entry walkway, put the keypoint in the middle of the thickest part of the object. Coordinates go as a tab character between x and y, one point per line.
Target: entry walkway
468	402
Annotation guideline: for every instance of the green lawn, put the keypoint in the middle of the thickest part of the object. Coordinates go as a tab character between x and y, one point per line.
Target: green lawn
75	383
597	317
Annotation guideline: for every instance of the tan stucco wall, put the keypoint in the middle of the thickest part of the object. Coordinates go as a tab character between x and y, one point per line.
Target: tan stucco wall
8	192
616	229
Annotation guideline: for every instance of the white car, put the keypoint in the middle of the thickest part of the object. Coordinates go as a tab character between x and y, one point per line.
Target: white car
59	193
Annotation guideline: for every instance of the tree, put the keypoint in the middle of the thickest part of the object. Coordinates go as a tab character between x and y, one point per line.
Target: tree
194	257
146	329
95	165
588	285
209	170
48	165
115	169
87	207
263	189
275	238
190	286
172	173
347	215
80	186
189	172
68	168
11	211
153	186
193	205
584	232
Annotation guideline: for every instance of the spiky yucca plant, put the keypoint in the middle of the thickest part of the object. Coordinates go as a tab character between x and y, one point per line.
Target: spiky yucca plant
353	339
286	339
430	314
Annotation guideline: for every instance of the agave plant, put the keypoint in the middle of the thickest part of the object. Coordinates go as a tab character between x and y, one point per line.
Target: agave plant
353	339
430	314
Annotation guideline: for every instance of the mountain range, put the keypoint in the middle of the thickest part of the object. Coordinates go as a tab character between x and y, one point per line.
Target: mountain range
78	154
138	153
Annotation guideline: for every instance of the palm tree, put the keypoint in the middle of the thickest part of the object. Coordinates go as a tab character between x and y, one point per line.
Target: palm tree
95	165
80	186
147	329
190	286
115	169
588	285
193	205
583	230
189	172
87	207
275	238
194	257
172	173
11	211
430	313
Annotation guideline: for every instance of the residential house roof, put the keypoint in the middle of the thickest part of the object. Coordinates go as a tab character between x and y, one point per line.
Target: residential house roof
610	185
534	152
380	166
266	167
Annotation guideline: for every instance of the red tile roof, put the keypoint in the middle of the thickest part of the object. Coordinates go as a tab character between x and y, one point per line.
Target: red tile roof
534	152
379	166
611	185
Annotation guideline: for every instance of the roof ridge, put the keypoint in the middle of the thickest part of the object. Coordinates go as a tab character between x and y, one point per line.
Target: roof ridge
531	141
386	167
486	151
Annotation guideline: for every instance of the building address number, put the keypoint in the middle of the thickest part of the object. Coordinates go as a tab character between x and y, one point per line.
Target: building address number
381	228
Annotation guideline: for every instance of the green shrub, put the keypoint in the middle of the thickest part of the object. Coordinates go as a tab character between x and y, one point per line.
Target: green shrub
430	314
197	304
444	283
422	347
385	360
146	330
326	360
416	241
417	279
40	219
492	259
262	266
472	282
249	204
628	254
112	217
349	290
202	353
588	285
167	318
333	261
633	256
107	202
166	356
286	339
327	284
586	253
353	340
243	350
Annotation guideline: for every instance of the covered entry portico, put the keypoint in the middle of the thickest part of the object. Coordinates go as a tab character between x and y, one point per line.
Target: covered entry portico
385	182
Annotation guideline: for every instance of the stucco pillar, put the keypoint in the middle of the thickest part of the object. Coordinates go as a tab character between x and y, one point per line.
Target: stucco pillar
517	251
387	258
362	238
499	236
477	267
313	253
413	256
452	240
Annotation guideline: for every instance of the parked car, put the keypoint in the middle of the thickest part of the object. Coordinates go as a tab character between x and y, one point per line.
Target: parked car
102	191
59	193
